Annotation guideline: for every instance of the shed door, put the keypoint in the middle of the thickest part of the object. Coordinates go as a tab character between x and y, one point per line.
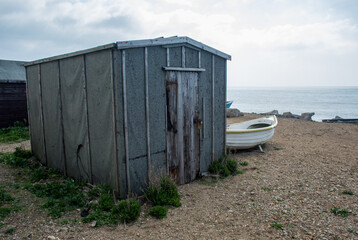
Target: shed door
182	125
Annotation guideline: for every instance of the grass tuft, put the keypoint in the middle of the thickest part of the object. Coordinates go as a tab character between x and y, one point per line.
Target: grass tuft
348	192
223	166
166	193
159	212
277	225
338	211
127	210
18	133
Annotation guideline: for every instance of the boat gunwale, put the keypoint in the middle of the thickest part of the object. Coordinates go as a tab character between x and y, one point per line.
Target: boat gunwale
256	129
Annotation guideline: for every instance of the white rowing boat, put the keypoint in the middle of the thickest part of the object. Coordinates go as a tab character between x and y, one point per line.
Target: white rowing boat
250	133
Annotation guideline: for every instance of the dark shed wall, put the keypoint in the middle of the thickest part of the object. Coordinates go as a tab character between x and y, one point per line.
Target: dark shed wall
13	106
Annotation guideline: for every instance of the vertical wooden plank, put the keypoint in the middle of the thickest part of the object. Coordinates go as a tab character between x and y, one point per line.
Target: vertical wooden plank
87	121
168	57
224	103
180	126
114	122
28	110
212	108
199	59
42	112
183	56
192	84
172	126
125	120
147	110
61	117
203	126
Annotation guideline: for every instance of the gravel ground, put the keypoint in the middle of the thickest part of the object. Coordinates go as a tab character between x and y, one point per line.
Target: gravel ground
295	183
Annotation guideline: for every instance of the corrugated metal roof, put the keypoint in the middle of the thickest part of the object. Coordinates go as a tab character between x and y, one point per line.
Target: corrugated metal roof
169	41
166	42
11	71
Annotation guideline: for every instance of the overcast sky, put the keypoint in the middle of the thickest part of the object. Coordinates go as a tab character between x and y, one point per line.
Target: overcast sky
272	42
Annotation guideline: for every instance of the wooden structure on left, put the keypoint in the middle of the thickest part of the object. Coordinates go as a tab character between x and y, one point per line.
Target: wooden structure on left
123	113
13	105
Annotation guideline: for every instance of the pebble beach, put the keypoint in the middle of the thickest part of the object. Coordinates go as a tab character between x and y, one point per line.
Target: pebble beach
287	192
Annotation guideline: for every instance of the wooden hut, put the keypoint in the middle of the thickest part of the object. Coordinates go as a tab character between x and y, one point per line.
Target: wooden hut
122	113
12	93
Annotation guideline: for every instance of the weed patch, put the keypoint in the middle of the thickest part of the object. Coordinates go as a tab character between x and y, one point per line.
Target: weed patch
10	231
61	196
159	211
20	158
223	166
277	225
244	164
164	194
348	192
127	210
18	133
101	218
341	212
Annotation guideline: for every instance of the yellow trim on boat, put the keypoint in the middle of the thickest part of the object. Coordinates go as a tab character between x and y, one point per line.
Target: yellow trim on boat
253	130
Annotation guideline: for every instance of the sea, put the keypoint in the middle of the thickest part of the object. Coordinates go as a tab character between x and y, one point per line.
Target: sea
325	102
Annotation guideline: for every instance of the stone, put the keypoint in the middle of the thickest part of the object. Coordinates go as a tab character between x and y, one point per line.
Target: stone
273	112
94	224
233	112
307	116
289	115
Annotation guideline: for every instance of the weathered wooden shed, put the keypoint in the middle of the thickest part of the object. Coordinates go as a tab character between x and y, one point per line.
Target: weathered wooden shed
12	93
122	113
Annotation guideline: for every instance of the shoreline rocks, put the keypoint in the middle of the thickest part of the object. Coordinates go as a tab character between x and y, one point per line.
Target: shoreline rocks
306	116
233	112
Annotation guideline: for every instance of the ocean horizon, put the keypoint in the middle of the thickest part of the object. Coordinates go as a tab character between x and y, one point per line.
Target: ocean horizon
326	102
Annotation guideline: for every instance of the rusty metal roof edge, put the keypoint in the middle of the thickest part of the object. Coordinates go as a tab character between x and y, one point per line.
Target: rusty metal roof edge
67	55
170	41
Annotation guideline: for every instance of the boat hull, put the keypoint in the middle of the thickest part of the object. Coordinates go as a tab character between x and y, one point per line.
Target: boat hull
248	140
251	133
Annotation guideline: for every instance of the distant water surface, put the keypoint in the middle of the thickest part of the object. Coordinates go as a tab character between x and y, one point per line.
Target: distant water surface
325	102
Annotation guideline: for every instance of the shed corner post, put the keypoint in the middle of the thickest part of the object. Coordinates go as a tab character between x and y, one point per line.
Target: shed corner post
213	109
